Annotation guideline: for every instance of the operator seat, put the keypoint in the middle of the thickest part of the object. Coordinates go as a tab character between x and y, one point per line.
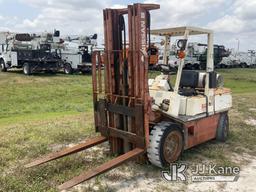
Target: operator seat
188	83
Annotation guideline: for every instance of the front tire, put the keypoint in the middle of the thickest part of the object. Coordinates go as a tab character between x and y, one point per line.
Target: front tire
27	69
166	144
2	65
68	69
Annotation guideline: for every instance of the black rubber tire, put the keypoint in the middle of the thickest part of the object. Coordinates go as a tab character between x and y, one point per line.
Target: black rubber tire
193	67
27	69
157	139
86	71
202	66
188	66
150	67
52	72
198	66
223	128
158	67
244	65
2	66
68	69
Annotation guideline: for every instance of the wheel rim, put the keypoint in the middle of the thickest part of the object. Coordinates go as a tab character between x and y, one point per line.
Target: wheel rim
172	146
67	69
2	66
25	70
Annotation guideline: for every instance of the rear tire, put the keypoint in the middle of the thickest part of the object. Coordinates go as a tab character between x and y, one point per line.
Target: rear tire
244	65
86	71
68	69
197	66
52	72
2	65
27	69
223	128
165	144
158	67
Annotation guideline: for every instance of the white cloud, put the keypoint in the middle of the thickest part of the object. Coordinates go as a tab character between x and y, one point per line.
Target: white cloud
71	17
178	13
240	20
245	9
68	4
86	15
239	23
227	24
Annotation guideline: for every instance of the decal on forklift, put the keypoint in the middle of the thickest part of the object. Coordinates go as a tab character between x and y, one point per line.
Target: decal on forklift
143	32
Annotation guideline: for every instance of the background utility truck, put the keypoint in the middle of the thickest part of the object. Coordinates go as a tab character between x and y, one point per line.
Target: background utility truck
74	52
22	50
195	57
239	59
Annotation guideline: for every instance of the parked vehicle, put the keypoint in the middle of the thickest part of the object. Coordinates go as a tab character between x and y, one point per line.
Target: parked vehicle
19	51
219	52
239	59
77	54
195	57
229	62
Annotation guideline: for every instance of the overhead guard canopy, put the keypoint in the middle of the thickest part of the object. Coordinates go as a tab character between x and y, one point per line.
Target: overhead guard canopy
179	31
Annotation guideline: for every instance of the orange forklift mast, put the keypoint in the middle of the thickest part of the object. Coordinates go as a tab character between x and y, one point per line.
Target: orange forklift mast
122	111
120	94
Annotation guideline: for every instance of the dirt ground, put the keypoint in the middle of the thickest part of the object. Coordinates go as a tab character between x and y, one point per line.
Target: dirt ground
245	183
133	177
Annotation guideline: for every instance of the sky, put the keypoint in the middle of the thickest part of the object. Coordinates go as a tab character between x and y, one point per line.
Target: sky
233	21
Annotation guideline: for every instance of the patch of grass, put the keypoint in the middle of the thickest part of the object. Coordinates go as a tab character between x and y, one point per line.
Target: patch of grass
242	134
22	95
239	80
37	114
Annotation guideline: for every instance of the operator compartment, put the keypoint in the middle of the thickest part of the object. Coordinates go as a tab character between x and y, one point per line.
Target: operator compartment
191	99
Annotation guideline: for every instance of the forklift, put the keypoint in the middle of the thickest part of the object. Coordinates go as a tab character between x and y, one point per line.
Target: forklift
148	120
